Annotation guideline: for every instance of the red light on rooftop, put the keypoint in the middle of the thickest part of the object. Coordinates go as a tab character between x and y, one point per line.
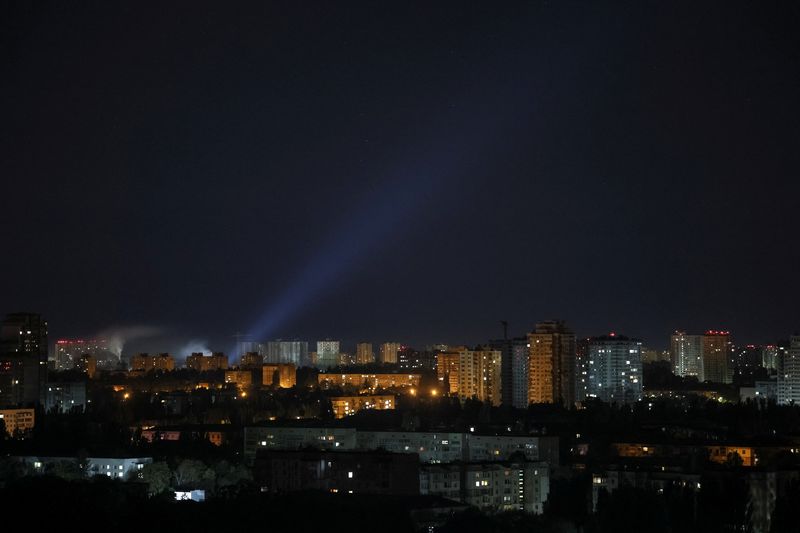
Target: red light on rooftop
612	334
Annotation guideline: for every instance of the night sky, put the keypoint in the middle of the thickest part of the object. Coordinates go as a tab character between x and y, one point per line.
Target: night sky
409	172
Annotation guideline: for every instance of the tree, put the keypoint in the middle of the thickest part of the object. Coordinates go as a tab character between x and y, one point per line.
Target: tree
228	474
158	476
191	473
68	470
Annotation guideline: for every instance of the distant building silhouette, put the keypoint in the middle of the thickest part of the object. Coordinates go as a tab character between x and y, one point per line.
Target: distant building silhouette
23	359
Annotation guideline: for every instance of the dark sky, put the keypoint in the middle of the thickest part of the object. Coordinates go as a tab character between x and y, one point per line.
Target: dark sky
410	172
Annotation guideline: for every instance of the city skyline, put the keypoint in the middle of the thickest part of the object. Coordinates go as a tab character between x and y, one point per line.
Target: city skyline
413	267
160	339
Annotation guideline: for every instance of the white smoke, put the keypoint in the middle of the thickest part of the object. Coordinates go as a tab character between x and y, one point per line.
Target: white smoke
116	337
193	346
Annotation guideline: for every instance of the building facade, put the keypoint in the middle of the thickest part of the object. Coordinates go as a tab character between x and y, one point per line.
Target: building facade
23	359
491	487
717	365
349	405
243	379
514	370
388	352
770	355
788	386
345	472
64	397
283	375
364	353
205	363
280	351
327	354
686	354
480	375
551	365
368	382
448	369
144	362
431	446
68	352
112	467
251	360
615	369
17	420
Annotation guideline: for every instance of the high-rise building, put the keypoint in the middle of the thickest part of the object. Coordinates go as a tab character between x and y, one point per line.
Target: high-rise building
410	359
69	352
551	364
87	364
448	369
327	354
582	369
364	353
717	366
615	369
747	358
770	354
280	351
788	364
23	358
480	375
514	370
388	352
245	347
686	353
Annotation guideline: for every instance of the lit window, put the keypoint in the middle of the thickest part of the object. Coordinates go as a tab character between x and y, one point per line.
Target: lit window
350	475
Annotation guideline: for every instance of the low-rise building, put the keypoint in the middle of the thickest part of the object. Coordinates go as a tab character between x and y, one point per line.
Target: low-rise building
349	405
251	360
17	420
64	397
491	487
656	479
243	379
717	453
113	467
369	382
283	375
430	446
145	362
204	363
346	472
